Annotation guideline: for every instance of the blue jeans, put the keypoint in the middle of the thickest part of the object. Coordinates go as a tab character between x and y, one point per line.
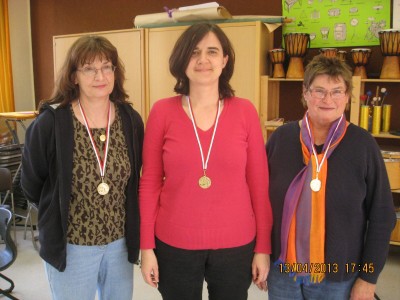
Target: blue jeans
282	287
90	268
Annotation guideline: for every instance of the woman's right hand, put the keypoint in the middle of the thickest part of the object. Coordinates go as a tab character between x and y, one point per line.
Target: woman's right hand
149	267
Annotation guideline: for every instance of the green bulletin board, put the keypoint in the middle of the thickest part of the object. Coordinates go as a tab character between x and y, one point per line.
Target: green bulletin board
337	23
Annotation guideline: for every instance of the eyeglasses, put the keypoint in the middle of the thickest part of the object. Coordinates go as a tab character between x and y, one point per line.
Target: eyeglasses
321	93
92	72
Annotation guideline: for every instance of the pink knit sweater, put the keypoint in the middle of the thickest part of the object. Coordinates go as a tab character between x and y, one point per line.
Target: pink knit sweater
234	210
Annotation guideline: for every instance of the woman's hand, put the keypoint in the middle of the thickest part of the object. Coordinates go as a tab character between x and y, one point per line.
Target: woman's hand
362	290
149	267
260	270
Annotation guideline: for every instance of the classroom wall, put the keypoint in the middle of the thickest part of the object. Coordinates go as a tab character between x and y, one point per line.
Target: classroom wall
49	18
39	21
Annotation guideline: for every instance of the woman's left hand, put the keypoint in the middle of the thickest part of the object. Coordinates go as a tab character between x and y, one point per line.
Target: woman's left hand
260	270
362	290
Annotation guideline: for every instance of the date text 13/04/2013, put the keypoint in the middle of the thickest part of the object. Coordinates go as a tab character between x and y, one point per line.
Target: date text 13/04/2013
325	267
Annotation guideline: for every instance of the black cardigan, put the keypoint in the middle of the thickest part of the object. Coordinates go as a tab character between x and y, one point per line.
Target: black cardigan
47	175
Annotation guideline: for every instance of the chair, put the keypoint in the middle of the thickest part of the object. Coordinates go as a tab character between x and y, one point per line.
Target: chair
31	206
8	254
6	186
10	163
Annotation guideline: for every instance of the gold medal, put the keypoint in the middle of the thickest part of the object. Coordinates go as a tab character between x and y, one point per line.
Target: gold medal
103	188
315	185
204	182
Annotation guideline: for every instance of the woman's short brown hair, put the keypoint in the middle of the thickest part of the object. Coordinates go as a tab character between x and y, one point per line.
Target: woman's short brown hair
184	46
85	50
331	66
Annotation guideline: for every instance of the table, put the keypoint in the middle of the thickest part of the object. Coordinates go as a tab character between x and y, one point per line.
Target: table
17	117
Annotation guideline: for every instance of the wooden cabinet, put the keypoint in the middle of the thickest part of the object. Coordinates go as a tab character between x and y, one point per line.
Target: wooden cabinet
273	106
130	45
251	41
145	53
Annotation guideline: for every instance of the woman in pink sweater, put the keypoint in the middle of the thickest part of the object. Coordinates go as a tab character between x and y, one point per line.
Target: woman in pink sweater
204	205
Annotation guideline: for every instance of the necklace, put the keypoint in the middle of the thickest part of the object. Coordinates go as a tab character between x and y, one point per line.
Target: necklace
315	183
103	188
102	136
204	181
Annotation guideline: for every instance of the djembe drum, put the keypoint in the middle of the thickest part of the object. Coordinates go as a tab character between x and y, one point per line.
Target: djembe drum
296	45
277	57
360	58
390	46
329	52
341	54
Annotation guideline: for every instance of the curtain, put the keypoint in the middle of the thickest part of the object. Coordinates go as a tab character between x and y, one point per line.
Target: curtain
6	82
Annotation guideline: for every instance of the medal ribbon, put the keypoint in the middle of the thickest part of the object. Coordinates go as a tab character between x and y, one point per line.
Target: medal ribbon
303	217
197	136
319	165
102	163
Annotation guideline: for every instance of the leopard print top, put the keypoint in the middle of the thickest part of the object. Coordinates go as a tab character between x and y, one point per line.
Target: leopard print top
95	219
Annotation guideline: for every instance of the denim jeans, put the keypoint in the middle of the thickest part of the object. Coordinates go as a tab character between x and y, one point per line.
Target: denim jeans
283	287
90	268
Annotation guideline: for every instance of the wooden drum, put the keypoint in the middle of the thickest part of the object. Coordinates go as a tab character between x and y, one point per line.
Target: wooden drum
277	58
329	52
296	45
360	58
390	46
341	54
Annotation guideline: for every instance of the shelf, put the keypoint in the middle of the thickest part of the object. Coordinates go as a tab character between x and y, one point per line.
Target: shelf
285	79
381	80
385	135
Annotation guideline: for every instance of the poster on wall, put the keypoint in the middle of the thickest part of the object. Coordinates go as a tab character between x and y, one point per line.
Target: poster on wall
337	23
396	14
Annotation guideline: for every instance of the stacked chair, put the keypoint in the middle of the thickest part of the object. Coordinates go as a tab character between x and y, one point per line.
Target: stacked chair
8	254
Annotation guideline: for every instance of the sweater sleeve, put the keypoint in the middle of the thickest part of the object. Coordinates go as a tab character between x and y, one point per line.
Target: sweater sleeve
38	149
152	177
381	217
257	178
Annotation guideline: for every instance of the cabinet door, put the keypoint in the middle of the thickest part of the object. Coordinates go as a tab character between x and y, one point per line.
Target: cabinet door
159	81
130	49
250	40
